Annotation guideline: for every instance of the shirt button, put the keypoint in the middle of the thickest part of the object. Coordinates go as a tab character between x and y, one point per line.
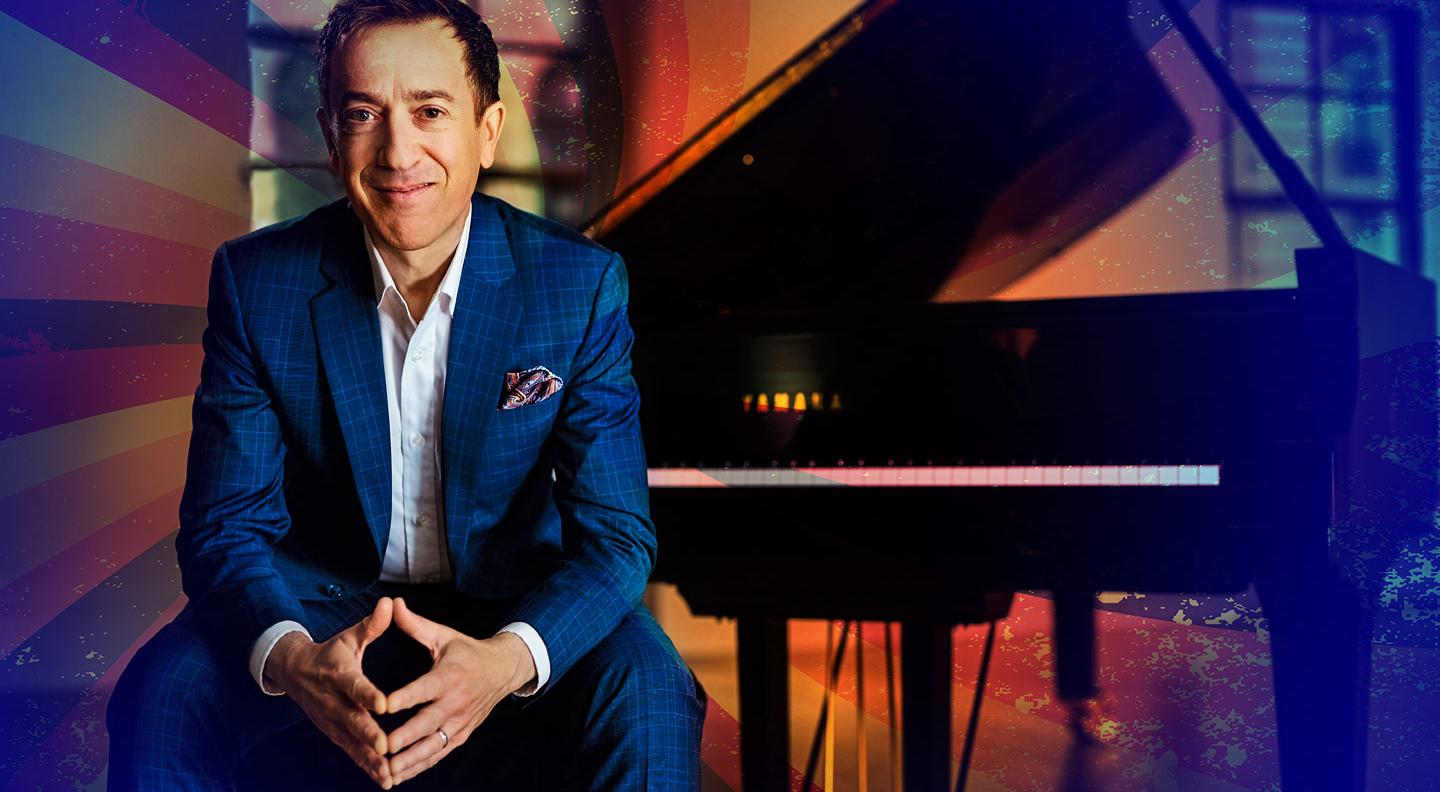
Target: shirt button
417	442
418	355
332	590
422	520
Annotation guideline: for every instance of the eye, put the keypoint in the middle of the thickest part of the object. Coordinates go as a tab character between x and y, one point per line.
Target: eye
438	112
353	115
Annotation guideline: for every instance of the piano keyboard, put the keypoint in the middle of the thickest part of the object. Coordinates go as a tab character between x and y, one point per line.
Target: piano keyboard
941	476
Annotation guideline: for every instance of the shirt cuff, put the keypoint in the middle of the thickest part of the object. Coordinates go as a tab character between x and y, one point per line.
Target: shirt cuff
536	645
261	651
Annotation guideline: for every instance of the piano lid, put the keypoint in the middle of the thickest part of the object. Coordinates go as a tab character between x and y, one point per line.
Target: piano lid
920	151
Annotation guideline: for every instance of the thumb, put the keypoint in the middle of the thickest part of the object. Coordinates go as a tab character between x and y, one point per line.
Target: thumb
375	625
428	633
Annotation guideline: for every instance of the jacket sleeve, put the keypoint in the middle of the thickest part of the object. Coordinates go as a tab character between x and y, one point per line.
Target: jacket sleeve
601	490
233	509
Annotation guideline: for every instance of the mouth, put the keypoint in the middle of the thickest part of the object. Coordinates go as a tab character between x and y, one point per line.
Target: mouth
403	194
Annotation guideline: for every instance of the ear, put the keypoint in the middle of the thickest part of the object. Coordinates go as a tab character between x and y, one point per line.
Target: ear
490	125
324	121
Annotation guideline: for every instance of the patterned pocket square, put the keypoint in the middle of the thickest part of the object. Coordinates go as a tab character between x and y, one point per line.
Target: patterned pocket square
529	387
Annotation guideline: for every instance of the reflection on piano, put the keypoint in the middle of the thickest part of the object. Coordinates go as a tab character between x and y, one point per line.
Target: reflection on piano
848	428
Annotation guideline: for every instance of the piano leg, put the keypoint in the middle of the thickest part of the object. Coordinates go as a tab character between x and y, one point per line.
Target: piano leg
1320	645
926	676
762	654
1074	644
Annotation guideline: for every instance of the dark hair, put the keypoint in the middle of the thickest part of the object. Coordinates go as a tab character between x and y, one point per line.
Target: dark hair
349	17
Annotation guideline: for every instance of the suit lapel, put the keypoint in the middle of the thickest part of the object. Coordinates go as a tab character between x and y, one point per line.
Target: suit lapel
487	316
347	328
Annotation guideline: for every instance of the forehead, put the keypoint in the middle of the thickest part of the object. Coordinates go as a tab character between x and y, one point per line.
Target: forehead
390	59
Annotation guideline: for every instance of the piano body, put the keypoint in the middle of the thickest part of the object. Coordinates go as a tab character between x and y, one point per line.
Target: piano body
842	423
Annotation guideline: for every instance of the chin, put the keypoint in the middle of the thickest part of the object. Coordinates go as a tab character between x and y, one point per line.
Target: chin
406	237
401	233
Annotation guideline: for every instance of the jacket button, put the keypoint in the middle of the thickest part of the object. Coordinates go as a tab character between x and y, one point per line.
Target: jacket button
332	590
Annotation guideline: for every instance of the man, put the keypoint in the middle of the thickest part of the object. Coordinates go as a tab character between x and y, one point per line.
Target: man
415	411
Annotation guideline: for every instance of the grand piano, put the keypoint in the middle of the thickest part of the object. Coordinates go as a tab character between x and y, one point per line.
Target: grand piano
845	419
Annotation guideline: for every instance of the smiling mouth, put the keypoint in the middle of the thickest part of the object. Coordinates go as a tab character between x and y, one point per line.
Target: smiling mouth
403	194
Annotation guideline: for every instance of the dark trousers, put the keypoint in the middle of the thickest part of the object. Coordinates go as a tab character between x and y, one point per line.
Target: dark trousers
186	713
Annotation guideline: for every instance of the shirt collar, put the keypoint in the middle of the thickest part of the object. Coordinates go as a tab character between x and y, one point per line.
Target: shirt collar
449	284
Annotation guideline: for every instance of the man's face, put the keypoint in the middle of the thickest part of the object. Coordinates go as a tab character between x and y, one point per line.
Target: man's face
405	140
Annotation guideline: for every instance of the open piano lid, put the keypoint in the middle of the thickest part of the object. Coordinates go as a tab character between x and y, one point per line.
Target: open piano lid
920	151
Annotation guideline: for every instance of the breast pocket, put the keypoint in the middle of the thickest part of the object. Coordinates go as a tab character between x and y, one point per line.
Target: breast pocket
526	414
528	426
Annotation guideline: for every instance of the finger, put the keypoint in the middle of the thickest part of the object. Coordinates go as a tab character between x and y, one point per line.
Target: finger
422	756
347	719
426	687
358	688
374	766
362	727
366	758
421	725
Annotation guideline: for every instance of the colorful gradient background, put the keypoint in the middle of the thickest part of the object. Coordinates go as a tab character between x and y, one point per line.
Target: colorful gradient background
128	136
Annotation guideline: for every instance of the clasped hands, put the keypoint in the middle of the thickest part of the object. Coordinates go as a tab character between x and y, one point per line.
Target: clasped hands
469	677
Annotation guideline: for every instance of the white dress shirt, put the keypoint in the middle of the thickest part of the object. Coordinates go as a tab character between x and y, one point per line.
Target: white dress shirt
414	355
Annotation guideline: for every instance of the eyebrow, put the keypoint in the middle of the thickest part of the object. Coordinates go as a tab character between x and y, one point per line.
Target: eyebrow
412	95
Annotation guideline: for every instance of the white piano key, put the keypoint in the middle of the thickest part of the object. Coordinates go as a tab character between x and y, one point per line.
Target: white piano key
940	476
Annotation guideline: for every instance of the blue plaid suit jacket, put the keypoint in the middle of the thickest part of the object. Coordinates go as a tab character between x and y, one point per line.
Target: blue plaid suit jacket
287	494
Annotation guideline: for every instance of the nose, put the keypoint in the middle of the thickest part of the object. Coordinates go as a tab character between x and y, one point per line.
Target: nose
400	144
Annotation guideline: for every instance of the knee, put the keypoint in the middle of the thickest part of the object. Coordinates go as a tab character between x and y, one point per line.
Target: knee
645	677
172	676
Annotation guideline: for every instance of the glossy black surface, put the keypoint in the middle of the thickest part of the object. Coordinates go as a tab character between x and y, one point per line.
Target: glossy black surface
820	268
940	127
